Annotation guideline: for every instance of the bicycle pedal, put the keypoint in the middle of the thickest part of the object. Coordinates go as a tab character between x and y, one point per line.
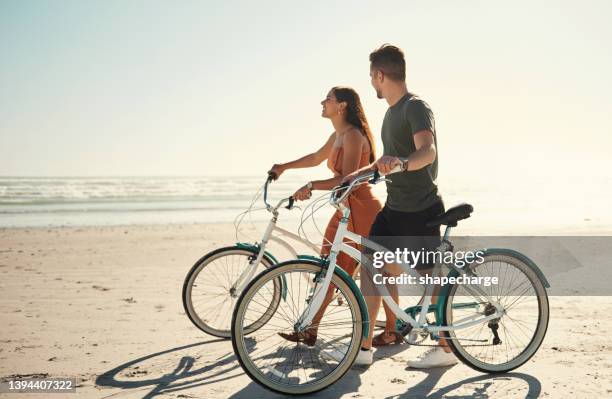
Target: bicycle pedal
405	329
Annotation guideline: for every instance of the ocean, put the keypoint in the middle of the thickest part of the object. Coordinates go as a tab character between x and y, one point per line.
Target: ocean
93	201
88	201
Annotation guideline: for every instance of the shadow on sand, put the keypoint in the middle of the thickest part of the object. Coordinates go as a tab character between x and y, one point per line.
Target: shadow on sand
480	387
177	370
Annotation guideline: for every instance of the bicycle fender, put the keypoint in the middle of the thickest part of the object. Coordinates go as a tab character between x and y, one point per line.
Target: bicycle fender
524	258
255	249
310	257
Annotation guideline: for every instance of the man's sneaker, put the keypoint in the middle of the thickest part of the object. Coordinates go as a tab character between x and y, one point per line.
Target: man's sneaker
364	357
435	357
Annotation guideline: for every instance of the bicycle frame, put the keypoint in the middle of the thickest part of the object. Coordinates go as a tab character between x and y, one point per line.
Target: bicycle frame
247	275
418	325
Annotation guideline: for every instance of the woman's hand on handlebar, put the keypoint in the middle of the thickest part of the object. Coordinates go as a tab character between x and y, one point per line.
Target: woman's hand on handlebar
302	194
276	170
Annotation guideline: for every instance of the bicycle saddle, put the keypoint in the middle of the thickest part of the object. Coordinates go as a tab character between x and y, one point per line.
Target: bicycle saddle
452	216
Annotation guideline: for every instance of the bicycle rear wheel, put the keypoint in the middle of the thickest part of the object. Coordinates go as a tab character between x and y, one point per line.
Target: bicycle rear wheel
506	343
294	367
208	298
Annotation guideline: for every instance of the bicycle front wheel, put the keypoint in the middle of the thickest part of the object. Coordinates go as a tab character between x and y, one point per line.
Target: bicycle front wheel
288	367
503	344
208	294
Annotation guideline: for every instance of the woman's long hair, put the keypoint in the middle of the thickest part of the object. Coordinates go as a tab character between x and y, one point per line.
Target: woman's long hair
355	114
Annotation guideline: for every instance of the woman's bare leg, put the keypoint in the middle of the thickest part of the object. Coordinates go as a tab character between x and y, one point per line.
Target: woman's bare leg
319	315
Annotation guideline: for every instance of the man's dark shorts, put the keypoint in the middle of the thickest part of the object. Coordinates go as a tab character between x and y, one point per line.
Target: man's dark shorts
399	230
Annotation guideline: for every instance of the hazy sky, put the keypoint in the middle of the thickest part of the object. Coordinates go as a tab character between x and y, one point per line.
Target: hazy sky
225	87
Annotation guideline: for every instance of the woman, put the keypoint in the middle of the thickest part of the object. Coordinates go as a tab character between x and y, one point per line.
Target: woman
349	148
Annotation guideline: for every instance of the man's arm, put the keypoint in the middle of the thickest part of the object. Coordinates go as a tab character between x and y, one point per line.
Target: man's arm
425	152
421	119
424	155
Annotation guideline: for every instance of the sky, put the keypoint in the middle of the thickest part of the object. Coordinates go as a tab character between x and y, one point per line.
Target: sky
126	88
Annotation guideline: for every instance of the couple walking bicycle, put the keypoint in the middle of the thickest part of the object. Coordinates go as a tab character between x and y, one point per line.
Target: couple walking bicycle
298	326
409	138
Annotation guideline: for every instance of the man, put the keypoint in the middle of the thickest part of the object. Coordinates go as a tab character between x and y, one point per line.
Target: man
408	133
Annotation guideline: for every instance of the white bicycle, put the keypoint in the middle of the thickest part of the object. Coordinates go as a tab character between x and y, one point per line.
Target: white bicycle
216	280
491	329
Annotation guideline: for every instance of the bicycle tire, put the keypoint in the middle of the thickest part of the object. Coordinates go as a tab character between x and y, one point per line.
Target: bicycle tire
220	330
263	375
539	292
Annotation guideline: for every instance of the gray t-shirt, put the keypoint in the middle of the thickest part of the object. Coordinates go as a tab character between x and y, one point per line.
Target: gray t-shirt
416	190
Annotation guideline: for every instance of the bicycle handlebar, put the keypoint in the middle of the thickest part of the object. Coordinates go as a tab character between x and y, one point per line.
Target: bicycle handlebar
271	177
372	177
339	193
265	190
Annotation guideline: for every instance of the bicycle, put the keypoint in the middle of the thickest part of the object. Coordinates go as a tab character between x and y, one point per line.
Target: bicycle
512	333
214	282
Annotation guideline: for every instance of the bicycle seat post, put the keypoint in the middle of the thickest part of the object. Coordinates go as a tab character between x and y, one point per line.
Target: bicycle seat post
446	233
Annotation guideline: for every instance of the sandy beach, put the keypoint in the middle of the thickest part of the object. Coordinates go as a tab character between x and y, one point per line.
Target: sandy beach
103	304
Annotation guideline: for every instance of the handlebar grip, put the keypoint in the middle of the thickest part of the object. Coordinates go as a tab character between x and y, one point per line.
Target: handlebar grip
272	176
375	178
291	201
339	191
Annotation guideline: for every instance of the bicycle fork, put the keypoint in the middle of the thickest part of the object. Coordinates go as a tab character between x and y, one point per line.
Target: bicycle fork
318	296
249	272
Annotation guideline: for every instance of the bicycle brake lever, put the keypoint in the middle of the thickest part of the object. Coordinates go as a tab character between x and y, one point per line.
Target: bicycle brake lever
375	178
339	188
290	205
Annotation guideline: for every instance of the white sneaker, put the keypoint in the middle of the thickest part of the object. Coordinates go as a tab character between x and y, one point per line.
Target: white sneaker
435	357
364	358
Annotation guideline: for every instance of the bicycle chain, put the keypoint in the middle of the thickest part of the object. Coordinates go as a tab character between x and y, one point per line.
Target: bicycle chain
436	345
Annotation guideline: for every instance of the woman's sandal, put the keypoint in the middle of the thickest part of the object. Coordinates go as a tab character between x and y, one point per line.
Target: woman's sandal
308	337
387	338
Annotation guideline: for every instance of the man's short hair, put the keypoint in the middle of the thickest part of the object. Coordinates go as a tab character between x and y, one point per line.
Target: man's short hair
390	60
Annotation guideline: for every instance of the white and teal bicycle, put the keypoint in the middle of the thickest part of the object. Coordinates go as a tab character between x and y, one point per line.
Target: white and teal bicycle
491	329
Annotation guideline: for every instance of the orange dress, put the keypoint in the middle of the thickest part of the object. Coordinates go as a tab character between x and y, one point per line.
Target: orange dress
364	208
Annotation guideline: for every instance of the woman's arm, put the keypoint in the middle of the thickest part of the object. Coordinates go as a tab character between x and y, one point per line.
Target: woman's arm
306	161
353	147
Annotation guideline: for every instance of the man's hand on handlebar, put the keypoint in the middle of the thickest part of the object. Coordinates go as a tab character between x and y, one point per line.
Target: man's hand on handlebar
386	163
